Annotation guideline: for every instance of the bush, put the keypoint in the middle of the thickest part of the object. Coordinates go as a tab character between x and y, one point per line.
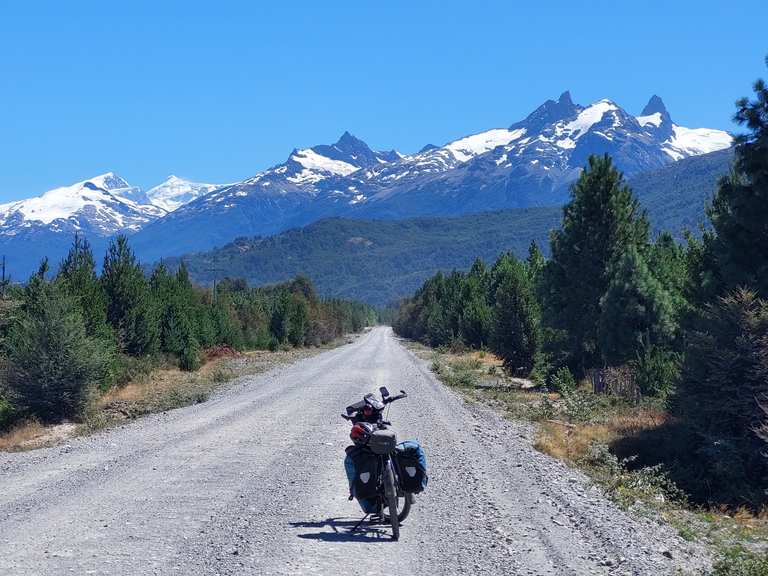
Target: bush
123	369
656	371
563	381
189	357
739	562
6	412
579	406
53	367
626	486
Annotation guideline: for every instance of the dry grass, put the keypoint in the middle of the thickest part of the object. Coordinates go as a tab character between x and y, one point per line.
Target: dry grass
31	434
572	442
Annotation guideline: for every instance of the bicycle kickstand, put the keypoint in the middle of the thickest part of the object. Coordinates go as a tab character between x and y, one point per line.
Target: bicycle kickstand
363	519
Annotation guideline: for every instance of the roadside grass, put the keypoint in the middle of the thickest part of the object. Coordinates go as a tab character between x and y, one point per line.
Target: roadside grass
602	436
168	388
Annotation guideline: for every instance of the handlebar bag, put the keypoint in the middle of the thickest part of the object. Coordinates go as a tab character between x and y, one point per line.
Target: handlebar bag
383	441
411	462
362	467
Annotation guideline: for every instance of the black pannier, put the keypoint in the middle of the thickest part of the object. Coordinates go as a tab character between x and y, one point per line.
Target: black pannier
411	467
383	442
362	468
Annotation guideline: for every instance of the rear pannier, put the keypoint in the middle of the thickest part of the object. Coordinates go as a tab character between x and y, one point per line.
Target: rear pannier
362	468
383	442
411	466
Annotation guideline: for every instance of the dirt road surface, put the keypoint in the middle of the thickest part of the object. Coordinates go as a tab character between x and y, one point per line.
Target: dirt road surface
252	482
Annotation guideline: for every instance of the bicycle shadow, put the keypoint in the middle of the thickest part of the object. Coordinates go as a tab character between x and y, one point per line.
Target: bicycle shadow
341	531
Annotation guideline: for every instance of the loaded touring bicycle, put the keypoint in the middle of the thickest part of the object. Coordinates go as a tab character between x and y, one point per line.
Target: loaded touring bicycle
383	474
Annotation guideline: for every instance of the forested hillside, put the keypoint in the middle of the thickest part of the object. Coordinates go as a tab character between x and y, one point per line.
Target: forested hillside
374	261
379	261
676	195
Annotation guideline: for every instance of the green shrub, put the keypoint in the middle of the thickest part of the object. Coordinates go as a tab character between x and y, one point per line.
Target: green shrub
123	369
625	485
580	406
53	367
739	562
189	358
6	412
563	381
656	370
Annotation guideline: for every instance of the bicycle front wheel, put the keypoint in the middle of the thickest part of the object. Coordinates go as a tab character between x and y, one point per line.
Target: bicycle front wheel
390	491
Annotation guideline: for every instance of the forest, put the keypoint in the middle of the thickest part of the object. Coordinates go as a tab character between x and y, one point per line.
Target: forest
688	321
67	338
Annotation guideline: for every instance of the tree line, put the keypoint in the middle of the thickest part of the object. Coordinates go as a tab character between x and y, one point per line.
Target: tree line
689	321
65	338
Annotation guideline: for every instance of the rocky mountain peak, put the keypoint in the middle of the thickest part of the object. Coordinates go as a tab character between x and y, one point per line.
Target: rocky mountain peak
655	104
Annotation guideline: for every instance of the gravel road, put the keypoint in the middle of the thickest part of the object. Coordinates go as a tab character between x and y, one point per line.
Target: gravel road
252	482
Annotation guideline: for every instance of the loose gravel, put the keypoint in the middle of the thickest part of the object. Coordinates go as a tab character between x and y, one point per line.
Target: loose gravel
252	482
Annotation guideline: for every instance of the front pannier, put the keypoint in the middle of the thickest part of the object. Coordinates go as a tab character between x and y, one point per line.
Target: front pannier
383	442
362	468
411	466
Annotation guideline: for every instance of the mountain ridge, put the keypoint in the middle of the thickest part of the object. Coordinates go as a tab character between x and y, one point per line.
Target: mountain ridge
530	163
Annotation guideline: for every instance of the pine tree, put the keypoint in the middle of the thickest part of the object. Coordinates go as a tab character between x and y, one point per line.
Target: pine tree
601	221
739	210
516	328
53	365
536	264
77	277
476	312
129	308
634	312
725	380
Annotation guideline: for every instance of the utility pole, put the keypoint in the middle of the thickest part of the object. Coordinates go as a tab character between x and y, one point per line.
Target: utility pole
214	269
3	281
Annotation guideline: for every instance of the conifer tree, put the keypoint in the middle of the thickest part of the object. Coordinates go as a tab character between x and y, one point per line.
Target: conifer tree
600	222
739	210
53	365
725	380
634	312
129	308
516	329
476	313
535	264
77	277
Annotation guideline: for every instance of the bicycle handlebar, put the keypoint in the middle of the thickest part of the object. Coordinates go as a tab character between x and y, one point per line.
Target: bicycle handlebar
354	409
398	397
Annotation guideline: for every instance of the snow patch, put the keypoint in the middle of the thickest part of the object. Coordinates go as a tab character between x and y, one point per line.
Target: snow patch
654	119
694	141
317	167
471	146
176	192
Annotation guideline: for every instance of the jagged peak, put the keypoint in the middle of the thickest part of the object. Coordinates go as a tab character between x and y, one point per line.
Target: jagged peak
565	99
655	104
550	111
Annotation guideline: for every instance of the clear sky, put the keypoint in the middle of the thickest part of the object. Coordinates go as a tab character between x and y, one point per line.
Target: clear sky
216	91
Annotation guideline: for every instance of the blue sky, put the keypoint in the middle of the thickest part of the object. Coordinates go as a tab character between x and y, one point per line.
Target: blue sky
216	91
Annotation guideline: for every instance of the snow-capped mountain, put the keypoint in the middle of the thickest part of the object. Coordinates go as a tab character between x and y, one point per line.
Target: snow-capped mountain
530	163
175	192
100	206
534	161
